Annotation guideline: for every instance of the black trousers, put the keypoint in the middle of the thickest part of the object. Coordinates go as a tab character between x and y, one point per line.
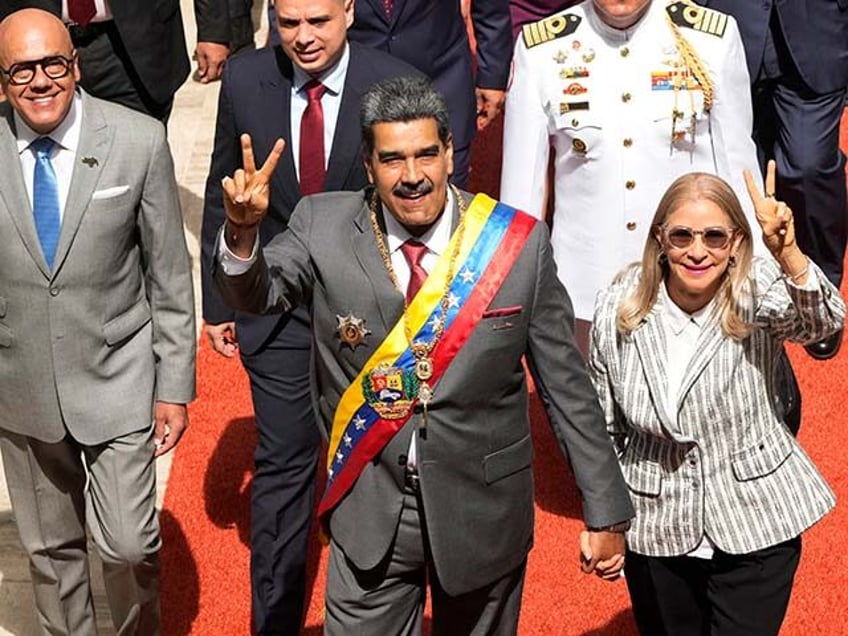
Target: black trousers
799	129
282	493
728	595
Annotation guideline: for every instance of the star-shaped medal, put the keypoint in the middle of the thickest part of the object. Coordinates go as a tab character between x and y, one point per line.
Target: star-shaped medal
351	330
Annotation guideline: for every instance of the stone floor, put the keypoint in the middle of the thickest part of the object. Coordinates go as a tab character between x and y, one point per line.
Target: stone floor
190	131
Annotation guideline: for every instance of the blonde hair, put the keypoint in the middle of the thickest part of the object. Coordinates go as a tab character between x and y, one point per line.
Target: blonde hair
734	290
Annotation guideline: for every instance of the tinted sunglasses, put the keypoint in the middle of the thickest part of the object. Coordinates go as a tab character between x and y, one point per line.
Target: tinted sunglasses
55	67
713	238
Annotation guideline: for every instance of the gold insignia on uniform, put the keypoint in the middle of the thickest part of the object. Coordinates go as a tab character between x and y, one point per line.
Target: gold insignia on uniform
691	16
351	330
574	71
575	88
556	26
579	146
567	107
560	57
589	55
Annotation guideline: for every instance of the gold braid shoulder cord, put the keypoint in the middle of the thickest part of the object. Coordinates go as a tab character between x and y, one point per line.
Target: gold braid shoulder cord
691	62
422	350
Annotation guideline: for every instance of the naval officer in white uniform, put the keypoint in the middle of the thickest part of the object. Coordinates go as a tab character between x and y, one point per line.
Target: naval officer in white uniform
628	98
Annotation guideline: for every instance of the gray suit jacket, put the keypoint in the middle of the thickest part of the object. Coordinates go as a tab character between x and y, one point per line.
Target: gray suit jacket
475	462
724	463
91	345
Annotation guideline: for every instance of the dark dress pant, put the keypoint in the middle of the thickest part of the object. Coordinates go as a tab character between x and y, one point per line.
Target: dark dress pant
282	493
799	129
728	595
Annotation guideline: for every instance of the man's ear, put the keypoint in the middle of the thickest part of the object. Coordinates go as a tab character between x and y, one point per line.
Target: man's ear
449	154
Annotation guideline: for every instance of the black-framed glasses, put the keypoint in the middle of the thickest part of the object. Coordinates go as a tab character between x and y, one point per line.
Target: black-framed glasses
714	238
55	67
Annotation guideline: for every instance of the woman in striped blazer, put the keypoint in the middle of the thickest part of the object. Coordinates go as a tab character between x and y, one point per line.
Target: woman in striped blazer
682	355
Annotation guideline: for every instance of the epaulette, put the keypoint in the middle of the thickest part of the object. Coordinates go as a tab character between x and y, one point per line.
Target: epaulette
692	16
550	28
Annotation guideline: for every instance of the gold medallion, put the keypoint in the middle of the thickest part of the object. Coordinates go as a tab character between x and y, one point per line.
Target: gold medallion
424	369
351	330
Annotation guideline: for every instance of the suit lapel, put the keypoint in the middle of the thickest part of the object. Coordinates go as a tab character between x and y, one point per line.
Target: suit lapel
347	147
94	145
364	244
651	346
278	89
13	191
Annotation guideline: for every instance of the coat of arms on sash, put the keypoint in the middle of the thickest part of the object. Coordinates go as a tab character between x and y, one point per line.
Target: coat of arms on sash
389	390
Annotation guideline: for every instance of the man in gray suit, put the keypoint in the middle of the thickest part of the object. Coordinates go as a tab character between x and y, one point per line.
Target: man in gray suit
424	399
97	335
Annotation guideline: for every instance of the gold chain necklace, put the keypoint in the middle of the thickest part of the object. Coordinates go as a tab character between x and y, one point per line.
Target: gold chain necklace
422	350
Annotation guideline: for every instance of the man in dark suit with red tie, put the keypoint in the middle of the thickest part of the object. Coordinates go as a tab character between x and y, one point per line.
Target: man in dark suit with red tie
432	36
306	91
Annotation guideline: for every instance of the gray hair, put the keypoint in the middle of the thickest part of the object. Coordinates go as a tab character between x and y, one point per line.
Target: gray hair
402	99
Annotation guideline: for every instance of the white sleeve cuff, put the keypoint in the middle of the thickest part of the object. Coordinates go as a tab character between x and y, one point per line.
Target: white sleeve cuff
231	264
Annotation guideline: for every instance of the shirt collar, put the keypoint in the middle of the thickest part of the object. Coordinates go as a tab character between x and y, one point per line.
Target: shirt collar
66	134
619	36
676	319
436	238
332	79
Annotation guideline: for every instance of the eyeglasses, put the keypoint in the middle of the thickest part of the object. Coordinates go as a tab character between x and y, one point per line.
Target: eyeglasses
55	67
714	238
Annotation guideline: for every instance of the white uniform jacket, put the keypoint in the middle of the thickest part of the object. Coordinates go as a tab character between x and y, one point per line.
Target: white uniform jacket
604	99
723	463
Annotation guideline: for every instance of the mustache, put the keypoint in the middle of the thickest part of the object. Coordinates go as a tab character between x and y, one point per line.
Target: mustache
410	190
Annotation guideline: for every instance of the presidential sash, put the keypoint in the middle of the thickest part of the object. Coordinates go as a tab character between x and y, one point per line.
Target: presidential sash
381	398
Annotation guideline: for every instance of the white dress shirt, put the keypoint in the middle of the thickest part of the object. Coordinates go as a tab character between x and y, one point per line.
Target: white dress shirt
333	80
66	137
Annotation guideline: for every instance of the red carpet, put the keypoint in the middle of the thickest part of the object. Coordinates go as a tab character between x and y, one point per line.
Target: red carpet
205	586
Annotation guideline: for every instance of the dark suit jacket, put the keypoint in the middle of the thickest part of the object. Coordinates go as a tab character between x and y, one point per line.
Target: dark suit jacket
816	32
431	35
151	32
255	98
475	463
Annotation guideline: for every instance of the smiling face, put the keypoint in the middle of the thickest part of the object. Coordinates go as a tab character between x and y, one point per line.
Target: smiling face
621	14
313	32
26	36
695	272
410	167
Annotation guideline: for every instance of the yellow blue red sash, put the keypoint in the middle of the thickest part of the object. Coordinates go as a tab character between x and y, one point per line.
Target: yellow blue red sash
493	237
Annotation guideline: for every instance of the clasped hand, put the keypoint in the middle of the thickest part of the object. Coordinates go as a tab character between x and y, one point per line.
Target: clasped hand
602	553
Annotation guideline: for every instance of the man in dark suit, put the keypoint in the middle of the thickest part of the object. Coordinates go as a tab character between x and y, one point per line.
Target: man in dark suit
266	93
133	53
96	330
797	54
224	27
432	36
424	304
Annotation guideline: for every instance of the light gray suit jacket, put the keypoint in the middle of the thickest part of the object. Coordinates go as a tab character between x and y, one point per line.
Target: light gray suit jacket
475	462
91	345
724	463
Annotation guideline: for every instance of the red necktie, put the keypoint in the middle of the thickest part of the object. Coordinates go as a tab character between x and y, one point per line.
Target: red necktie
312	141
388	7
81	11
414	252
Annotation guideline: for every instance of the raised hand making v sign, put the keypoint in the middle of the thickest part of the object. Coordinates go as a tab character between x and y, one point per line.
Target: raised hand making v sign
775	219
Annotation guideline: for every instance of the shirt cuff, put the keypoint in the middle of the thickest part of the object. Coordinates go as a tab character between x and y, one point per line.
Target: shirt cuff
231	264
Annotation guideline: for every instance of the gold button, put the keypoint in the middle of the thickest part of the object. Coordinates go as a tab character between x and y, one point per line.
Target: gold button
625	97
630	185
631	225
579	146
624	52
575	123
628	142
